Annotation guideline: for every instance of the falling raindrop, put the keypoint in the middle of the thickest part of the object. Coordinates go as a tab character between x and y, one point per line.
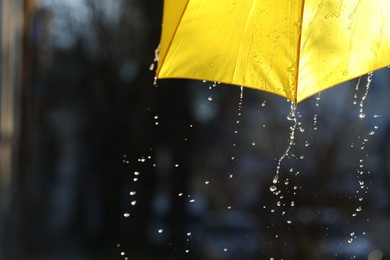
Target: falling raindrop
239	112
318	98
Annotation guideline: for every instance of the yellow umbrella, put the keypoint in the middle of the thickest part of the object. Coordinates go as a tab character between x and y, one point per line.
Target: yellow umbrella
293	48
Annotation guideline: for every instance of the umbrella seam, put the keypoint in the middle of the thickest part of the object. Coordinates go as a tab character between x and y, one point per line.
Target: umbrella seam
174	34
299	53
240	49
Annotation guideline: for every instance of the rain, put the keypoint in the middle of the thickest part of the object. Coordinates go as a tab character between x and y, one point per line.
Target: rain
108	162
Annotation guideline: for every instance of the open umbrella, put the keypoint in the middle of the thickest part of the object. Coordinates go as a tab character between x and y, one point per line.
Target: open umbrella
293	48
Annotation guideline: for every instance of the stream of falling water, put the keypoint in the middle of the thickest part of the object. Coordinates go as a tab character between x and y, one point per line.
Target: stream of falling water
291	117
361	104
239	113
360	168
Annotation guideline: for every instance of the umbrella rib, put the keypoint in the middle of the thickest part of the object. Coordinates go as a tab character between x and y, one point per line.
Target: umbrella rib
298	53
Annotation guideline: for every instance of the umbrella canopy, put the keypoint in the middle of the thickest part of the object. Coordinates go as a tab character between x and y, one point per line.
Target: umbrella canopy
293	48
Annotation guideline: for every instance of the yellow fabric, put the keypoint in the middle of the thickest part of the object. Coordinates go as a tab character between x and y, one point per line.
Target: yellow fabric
293	48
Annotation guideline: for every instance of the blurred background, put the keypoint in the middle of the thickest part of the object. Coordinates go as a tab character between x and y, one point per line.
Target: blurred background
98	163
